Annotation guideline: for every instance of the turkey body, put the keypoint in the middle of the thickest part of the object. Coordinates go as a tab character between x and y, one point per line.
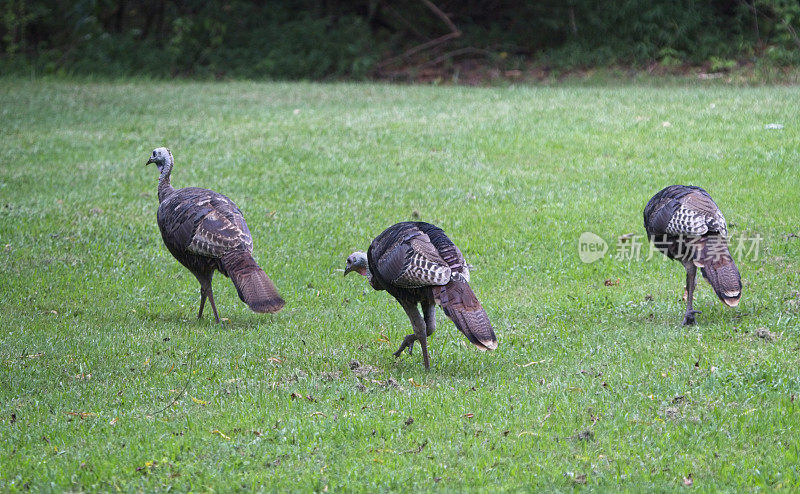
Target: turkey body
418	264
206	232
685	224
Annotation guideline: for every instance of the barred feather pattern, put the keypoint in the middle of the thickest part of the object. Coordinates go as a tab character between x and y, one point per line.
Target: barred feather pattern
203	223
686	221
683	210
420	271
718	267
205	231
462	306
685	224
416	262
252	283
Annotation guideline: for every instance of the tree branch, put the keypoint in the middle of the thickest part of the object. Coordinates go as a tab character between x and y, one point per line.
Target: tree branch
461	51
442	16
791	31
454	33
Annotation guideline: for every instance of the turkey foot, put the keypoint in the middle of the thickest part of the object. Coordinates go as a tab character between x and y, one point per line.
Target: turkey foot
688	319
408	341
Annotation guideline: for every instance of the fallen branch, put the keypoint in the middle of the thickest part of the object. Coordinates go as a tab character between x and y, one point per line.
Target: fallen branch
454	33
460	51
419	48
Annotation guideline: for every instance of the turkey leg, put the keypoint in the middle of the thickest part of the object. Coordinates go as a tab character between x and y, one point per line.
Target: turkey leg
420	333
429	309
207	292
202	302
210	295
691	282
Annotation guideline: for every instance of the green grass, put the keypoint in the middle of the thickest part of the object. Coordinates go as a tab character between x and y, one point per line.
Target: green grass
98	319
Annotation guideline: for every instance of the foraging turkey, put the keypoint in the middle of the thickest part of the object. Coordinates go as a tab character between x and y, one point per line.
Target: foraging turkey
685	224
205	231
417	264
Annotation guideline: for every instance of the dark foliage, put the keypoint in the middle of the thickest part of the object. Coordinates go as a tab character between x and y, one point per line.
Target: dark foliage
319	39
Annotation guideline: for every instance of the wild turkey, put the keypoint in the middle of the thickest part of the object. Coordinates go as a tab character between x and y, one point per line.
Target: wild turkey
685	224
205	231
417	264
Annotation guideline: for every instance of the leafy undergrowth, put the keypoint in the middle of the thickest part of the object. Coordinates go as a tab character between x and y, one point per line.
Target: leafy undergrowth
109	381
479	72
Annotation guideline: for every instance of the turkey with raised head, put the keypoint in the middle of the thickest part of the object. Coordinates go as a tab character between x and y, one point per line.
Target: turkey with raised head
205	231
417	264
684	223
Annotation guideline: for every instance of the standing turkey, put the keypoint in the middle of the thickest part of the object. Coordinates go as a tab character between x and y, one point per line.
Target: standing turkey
417	264
685	224
205	231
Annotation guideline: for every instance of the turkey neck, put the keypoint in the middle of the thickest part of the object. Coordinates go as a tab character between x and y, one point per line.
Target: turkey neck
370	279
164	186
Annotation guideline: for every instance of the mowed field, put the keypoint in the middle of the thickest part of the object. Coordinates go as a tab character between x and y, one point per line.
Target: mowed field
108	381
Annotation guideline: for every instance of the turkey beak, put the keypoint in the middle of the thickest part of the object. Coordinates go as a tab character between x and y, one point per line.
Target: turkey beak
151	160
348	268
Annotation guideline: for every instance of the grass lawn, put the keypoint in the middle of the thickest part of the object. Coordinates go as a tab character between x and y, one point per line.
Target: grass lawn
108	381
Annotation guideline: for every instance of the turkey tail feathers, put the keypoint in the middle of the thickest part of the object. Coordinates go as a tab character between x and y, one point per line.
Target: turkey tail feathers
462	306
720	270
254	286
